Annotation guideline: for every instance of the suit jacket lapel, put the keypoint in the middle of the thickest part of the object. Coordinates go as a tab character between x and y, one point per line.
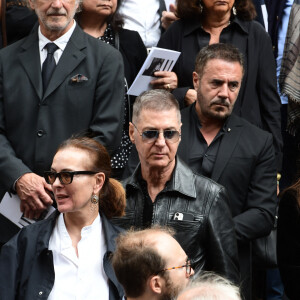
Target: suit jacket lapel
227	146
30	59
70	59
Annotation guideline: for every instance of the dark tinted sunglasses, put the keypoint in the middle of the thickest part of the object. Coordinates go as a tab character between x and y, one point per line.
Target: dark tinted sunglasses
149	136
65	177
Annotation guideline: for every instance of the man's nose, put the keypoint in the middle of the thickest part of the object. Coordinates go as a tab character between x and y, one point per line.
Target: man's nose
57	3
160	141
223	91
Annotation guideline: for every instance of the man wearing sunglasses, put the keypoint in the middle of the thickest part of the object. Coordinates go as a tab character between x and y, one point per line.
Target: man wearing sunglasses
145	268
164	191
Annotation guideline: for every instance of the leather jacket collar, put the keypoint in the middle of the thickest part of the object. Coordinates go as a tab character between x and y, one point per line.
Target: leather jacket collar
182	181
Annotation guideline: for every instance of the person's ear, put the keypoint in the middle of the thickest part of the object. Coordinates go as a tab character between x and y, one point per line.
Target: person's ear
156	284
131	132
196	81
100	178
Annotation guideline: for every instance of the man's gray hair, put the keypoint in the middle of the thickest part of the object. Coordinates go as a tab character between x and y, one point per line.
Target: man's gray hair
210	286
157	100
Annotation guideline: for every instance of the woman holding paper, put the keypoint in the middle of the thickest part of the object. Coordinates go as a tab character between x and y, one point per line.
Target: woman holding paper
100	18
67	256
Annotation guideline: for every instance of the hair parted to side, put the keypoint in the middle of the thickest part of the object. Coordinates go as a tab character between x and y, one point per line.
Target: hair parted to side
157	100
190	9
112	198
226	52
210	286
136	259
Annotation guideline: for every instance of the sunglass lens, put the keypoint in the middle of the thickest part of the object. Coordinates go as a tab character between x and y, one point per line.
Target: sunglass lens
170	134
150	134
66	177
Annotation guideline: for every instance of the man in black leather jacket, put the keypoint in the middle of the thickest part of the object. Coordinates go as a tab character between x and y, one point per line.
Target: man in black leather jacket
164	191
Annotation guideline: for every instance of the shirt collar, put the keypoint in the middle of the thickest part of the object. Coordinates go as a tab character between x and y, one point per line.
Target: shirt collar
193	25
61	42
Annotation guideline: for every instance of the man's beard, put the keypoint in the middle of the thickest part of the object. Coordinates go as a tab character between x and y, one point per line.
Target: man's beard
171	290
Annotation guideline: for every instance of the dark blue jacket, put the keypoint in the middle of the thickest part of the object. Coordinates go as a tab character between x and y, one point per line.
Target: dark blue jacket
26	263
275	13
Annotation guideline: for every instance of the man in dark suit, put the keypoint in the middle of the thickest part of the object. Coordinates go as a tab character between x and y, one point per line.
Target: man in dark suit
228	149
40	108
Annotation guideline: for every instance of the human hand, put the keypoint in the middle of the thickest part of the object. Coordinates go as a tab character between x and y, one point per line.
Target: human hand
190	97
166	80
34	192
168	17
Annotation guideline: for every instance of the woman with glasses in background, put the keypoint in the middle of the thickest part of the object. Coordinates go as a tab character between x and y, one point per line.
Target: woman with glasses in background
67	256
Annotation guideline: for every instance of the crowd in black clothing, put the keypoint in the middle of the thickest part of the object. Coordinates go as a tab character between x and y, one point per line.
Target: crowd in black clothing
200	23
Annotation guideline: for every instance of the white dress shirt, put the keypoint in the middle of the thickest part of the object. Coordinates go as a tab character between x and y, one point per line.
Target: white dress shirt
82	277
61	43
143	17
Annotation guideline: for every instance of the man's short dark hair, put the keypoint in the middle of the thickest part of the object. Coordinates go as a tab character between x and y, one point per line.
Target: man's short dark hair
221	51
136	259
157	100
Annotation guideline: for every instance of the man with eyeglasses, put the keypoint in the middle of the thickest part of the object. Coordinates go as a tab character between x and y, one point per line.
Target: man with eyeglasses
164	191
145	268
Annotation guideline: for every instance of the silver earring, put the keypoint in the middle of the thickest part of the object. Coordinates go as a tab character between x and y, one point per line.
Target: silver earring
234	10
94	199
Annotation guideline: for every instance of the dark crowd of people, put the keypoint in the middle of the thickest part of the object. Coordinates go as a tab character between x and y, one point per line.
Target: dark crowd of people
188	191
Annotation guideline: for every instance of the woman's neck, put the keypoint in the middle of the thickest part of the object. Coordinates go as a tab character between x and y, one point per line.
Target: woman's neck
215	21
75	221
214	24
93	25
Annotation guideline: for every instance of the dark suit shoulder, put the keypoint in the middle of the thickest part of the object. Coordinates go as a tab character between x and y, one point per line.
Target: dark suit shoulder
18	46
248	127
126	33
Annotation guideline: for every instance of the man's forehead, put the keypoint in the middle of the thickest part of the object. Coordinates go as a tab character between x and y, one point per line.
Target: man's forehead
219	66
152	117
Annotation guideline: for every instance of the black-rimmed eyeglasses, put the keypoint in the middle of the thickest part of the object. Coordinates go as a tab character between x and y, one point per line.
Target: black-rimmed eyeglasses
65	177
149	136
187	266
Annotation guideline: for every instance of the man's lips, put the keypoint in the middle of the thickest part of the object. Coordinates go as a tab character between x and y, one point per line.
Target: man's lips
104	6
158	154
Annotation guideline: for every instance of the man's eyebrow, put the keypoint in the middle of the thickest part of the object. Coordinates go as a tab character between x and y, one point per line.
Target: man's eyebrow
216	80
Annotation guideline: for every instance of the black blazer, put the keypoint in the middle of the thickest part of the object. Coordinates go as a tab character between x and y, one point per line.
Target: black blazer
245	166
